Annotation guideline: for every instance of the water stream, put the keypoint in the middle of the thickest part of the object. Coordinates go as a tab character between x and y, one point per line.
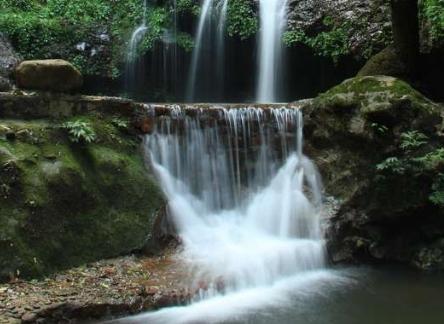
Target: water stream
207	62
246	202
272	15
132	56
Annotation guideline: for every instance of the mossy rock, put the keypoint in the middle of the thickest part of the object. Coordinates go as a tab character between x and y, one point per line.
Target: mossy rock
63	204
378	99
350	130
49	75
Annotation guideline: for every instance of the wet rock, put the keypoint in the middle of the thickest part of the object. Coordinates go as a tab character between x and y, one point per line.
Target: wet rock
384	216
51	75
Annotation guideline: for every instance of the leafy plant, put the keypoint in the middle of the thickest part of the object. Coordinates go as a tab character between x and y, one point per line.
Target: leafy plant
432	159
392	164
185	41
120	123
432	11
80	131
332	43
380	129
437	195
241	19
410	163
412	140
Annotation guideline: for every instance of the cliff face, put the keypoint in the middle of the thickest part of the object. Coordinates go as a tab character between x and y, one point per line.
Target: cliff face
366	24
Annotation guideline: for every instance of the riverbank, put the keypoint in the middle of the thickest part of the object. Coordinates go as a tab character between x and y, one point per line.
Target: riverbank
107	288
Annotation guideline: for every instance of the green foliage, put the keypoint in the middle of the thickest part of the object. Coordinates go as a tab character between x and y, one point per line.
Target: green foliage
17	4
432	160
380	129
437	195
392	164
432	11
332	43
42	29
188	6
241	19
185	41
120	123
157	18
412	140
414	163
80	131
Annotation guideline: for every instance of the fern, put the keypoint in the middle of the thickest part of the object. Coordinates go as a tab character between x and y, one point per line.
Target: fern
392	164
412	140
80	131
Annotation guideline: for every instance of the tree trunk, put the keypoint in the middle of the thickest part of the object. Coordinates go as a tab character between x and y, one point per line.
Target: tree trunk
405	24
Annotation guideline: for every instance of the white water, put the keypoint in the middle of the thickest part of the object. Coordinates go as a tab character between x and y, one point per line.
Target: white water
272	25
247	205
211	23
132	55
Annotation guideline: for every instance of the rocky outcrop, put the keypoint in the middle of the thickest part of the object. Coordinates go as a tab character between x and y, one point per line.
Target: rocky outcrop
50	75
378	144
64	202
368	23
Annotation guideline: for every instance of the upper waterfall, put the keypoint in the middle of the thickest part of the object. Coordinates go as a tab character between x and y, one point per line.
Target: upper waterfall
272	24
209	38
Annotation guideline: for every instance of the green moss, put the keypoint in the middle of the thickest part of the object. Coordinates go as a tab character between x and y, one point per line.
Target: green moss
374	93
63	203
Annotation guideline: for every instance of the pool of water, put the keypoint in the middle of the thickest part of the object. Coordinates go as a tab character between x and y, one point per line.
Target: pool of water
371	296
350	296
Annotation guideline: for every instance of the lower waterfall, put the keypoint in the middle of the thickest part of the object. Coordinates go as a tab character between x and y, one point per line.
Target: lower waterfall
247	206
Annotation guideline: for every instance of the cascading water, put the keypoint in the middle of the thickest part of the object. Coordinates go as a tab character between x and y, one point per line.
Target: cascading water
209	37
132	55
246	202
272	24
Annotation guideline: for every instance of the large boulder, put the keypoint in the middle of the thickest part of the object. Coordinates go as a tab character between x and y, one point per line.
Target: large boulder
378	144
50	75
64	203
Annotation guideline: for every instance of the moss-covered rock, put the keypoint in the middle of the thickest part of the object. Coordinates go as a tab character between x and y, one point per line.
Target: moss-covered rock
64	203
374	139
50	75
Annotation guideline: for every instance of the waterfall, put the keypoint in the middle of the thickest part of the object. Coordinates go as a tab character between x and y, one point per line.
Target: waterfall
272	24
209	44
245	199
132	55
